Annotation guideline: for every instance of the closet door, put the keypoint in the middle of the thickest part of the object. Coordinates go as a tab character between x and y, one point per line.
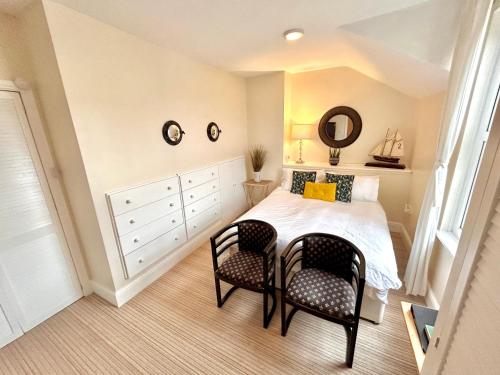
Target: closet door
9	328
36	269
232	175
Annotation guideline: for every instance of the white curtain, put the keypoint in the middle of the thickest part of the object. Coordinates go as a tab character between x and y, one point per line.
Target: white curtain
475	17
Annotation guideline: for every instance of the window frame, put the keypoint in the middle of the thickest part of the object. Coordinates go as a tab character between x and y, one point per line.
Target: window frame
483	104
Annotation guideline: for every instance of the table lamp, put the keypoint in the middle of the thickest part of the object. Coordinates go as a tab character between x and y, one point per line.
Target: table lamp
301	132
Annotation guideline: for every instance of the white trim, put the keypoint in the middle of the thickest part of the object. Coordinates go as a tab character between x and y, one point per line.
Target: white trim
395	226
431	299
146	278
347	168
449	240
104	293
53	179
483	198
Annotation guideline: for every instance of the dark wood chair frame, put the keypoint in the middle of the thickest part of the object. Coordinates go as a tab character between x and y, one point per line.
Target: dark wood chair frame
294	254
219	246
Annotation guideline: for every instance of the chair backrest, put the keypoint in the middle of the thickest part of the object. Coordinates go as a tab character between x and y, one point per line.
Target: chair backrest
329	253
255	235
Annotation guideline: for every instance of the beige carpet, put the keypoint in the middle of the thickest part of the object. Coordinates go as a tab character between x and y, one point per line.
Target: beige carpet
174	326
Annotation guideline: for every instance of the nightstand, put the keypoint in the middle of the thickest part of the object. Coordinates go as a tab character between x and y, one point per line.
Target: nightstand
255	190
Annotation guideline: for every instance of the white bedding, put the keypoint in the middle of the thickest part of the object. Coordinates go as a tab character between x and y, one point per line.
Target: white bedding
362	223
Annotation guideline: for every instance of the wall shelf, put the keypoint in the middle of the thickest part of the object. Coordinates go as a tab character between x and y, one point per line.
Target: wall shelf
413	335
347	168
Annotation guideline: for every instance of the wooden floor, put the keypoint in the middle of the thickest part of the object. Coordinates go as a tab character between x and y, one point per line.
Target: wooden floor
174	326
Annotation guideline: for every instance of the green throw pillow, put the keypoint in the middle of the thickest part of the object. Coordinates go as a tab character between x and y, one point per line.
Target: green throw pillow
344	186
299	180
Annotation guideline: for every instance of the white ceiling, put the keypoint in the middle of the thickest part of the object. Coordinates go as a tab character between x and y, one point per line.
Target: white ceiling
405	44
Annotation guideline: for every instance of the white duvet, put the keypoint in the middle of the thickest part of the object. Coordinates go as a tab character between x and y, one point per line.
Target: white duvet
362	223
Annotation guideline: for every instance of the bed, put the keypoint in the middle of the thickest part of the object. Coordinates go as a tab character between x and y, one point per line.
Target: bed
362	223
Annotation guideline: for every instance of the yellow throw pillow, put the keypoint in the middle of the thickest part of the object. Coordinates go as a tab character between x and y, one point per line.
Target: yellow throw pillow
325	192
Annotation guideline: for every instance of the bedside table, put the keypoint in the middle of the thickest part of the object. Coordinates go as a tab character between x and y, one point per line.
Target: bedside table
252	188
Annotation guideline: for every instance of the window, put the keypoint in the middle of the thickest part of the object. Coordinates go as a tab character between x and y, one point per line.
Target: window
480	113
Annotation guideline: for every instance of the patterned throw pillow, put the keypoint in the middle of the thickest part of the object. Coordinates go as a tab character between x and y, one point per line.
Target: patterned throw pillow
344	186
299	180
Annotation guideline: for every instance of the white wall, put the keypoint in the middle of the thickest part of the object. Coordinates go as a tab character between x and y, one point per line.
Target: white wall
53	106
380	107
121	90
14	61
265	119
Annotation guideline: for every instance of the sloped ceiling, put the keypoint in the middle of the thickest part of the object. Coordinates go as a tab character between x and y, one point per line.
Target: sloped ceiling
405	44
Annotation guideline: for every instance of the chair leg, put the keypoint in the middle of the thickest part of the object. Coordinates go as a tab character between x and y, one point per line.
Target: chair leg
221	300
269	316
351	334
284	328
217	292
283	314
265	307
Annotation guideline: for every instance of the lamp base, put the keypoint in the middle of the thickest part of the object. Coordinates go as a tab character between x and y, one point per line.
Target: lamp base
300	161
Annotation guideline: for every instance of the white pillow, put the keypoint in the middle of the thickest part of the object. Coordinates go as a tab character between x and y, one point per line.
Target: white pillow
287	176
365	188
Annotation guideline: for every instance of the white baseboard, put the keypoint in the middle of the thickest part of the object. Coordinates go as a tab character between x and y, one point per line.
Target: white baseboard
398	227
430	299
135	286
104	293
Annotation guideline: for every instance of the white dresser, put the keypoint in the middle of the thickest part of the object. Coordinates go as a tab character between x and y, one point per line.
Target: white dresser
148	221
201	197
153	220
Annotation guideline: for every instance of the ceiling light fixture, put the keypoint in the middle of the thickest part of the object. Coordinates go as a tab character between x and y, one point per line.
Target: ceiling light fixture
293	34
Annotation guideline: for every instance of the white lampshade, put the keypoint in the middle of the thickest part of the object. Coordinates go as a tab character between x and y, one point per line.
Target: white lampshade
302	131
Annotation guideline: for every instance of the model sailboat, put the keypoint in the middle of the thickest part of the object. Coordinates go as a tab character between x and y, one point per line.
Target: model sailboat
389	151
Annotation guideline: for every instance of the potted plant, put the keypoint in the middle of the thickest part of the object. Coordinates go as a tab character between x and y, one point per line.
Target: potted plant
334	156
258	158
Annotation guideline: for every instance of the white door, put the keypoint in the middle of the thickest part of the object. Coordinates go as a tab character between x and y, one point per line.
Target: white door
233	174
9	327
37	274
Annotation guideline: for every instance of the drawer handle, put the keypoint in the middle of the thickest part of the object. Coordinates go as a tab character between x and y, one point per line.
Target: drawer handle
213	186
131	221
193	210
128	201
169	187
141	260
191	196
176	238
215	199
213	173
190	181
195	226
173	221
171	205
136	240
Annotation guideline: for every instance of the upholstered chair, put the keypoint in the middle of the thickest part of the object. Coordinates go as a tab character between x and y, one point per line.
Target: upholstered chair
329	283
252	266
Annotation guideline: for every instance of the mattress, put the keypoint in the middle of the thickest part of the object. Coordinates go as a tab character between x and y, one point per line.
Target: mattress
362	223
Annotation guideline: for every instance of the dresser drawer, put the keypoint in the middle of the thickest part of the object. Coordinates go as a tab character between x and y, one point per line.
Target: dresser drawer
139	217
203	220
140	237
130	199
203	204
196	178
201	191
145	256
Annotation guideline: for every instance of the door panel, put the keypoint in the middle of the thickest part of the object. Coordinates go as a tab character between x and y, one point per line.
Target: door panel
9	328
37	268
232	176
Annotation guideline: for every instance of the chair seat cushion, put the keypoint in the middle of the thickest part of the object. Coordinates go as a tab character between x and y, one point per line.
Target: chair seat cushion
322	291
243	267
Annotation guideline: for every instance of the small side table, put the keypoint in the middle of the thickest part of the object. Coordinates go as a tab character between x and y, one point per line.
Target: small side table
251	187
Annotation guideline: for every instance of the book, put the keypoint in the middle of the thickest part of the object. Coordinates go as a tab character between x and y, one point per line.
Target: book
428	331
423	316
